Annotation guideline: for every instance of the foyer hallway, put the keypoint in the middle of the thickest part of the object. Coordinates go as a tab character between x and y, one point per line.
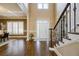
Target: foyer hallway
20	47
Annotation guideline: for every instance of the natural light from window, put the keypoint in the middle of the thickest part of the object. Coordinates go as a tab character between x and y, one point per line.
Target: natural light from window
15	27
42	5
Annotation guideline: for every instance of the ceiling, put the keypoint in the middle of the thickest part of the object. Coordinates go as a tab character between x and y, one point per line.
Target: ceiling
13	9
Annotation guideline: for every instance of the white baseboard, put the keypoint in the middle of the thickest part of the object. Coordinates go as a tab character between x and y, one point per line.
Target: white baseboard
51	49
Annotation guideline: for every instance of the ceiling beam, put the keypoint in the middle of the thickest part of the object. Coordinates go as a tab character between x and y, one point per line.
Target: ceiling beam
23	6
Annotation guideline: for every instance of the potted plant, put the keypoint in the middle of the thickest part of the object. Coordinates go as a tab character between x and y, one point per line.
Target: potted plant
31	37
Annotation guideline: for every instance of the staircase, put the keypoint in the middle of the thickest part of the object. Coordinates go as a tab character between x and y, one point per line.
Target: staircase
65	31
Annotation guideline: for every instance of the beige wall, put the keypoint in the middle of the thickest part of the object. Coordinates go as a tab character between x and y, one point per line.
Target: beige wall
35	14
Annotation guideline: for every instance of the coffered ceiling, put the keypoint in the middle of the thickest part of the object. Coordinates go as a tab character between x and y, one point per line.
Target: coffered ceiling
13	9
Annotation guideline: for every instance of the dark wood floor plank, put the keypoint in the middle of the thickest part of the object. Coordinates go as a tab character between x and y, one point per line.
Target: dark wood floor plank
26	48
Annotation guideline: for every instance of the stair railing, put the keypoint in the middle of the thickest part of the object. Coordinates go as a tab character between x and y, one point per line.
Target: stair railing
63	26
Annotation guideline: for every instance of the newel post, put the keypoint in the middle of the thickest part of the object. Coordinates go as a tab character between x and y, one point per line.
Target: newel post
50	43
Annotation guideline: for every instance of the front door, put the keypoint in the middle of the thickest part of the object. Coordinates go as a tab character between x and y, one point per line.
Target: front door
42	30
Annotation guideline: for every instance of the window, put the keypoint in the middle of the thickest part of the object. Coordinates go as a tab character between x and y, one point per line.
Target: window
15	27
42	6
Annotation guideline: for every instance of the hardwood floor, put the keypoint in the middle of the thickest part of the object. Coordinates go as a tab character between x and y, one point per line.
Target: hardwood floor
26	48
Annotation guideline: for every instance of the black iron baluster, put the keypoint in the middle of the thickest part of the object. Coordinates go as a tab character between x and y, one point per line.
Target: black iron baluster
0	40
50	37
66	24
61	31
74	17
70	17
63	26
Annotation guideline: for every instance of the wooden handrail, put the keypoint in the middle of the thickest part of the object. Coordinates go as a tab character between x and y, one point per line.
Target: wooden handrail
61	15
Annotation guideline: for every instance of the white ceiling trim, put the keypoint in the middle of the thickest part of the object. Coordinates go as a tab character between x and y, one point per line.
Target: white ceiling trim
13	14
23	6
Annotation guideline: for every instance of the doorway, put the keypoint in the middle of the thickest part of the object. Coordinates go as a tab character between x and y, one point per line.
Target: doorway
42	30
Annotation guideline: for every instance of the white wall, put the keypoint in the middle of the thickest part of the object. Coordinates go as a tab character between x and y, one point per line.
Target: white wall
60	7
77	15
